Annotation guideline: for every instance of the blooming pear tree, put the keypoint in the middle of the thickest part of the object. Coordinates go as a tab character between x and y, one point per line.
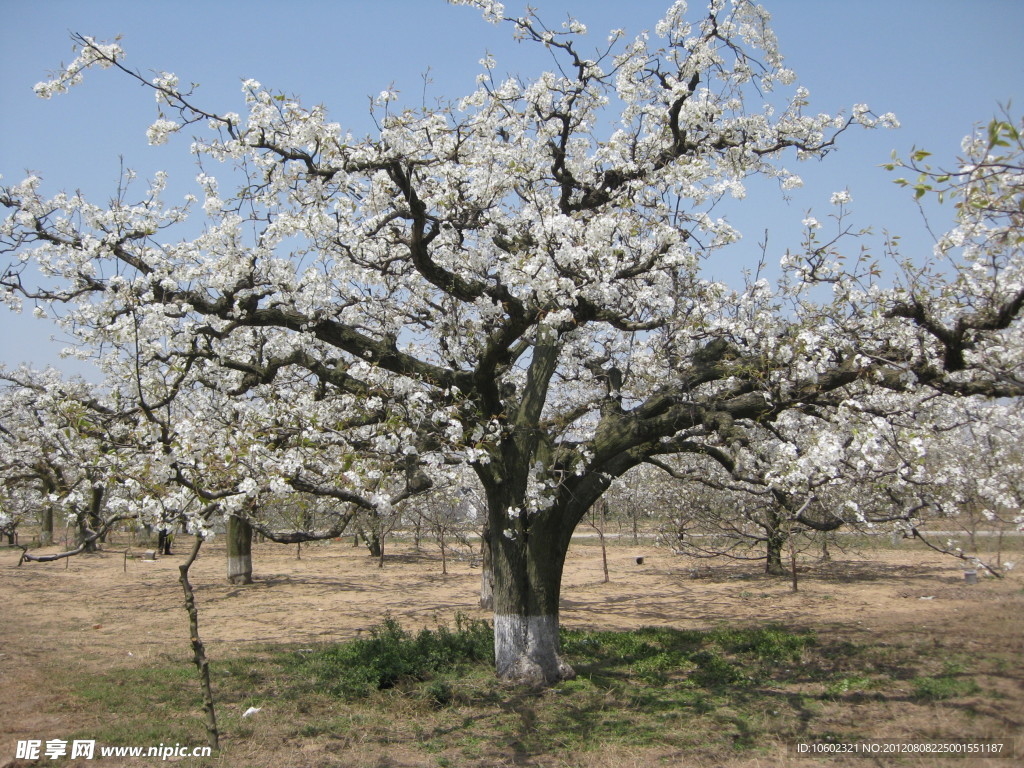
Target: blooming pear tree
816	469
969	493
90	453
69	456
513	282
262	460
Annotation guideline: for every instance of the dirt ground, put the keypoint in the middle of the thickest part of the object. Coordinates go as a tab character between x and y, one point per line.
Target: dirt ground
102	611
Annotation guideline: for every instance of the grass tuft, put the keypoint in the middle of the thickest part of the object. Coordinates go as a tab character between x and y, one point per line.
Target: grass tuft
943	687
392	656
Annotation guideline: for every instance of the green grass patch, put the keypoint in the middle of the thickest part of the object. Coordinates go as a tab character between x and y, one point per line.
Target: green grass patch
161	705
943	687
712	659
718	692
391	656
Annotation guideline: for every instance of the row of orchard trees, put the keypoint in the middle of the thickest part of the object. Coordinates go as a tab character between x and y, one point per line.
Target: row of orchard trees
105	458
88	460
925	469
511	285
909	465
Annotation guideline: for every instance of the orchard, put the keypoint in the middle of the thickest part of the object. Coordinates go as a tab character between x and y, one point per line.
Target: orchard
494	313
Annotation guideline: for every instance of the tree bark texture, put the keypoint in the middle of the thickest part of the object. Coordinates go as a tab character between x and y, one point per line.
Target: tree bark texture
486	572
773	562
46	529
776	534
88	544
527	565
239	535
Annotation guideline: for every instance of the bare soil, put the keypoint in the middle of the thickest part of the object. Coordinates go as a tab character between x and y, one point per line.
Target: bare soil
105	611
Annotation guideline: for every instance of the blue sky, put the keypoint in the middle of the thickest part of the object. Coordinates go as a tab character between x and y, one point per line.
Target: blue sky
940	65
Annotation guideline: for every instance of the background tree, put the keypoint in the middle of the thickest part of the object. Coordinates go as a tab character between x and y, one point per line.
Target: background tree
631	499
65	454
752	498
449	516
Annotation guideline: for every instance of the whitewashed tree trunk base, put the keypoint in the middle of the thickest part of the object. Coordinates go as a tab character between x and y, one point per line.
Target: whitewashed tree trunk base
240	569
527	650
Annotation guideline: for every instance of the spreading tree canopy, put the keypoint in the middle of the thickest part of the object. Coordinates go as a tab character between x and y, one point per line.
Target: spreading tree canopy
513	281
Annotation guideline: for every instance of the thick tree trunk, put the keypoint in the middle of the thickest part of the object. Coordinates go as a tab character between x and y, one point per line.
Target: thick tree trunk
92	545
91	520
527	586
373	543
776	535
773	564
46	529
239	535
98	495
528	548
163	542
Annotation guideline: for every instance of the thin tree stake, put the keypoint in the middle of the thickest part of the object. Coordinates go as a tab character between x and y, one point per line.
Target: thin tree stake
792	557
198	650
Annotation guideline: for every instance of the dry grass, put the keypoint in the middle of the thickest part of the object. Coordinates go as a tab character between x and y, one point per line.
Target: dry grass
904	650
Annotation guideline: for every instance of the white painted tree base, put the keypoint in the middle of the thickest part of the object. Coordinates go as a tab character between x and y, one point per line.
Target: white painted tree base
527	650
240	569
